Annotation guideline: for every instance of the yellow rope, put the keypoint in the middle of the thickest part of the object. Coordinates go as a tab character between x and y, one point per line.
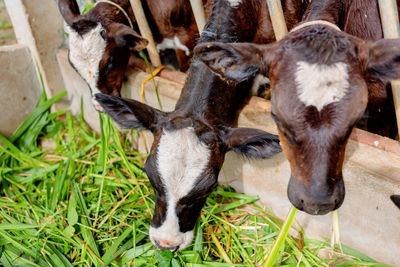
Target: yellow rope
152	75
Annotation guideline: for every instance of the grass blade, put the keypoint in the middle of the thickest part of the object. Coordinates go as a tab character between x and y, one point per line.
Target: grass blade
279	241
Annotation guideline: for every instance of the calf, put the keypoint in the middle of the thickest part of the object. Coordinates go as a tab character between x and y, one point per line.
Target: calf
191	141
319	78
100	40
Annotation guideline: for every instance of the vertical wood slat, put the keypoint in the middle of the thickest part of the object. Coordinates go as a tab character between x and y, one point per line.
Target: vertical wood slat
277	18
391	29
199	14
145	31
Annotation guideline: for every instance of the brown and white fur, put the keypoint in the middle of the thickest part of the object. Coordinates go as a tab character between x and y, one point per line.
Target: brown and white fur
319	79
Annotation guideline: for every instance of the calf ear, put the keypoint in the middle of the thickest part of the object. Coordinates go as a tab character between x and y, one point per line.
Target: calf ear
396	200
126	36
130	113
252	143
69	10
235	61
383	60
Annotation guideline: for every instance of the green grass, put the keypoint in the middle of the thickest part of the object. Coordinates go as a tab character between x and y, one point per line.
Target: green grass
69	197
5	24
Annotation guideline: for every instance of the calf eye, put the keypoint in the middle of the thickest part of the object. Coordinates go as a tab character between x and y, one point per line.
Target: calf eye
110	65
289	136
103	34
287	133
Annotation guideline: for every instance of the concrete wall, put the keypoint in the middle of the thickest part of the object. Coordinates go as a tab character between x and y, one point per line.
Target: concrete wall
369	221
20	87
38	25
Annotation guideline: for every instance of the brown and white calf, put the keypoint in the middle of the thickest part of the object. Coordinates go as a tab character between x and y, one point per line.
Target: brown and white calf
191	141
319	78
100	40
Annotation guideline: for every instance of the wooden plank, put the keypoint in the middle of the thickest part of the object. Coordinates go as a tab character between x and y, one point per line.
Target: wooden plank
277	18
198	12
391	29
145	31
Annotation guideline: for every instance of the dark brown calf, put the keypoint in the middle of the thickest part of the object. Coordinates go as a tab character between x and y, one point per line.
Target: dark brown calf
100	40
191	141
319	78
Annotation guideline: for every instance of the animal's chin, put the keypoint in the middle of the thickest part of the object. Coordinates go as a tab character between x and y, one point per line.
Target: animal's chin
186	239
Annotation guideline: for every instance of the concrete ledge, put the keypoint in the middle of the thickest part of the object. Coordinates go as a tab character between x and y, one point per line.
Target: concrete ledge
38	25
19	87
369	221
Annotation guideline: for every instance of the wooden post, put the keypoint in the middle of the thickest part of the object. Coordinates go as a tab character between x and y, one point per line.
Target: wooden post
199	15
391	29
145	31
277	18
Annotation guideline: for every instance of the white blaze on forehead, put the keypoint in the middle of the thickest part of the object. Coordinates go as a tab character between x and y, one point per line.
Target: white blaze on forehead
319	85
234	3
181	158
86	52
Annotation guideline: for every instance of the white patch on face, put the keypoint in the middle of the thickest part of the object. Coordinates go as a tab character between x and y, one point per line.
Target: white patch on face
181	158
85	53
172	44
319	85
234	3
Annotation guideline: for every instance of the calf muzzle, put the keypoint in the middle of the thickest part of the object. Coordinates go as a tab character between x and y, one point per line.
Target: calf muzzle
316	200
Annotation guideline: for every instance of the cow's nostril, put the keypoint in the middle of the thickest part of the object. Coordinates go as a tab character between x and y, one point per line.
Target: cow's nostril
302	201
165	245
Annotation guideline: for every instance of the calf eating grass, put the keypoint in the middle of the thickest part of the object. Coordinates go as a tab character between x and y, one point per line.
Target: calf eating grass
101	40
191	141
319	78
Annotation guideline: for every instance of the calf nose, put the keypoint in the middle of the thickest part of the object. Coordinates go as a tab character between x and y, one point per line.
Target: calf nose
166	245
317	201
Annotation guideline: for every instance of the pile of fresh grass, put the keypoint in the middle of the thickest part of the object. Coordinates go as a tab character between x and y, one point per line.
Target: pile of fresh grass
71	198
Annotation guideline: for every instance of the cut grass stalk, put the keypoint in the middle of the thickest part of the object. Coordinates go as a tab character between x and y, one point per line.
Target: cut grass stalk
279	241
335	238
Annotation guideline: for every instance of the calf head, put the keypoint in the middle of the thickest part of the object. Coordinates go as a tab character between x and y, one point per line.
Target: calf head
99	45
318	77
184	162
